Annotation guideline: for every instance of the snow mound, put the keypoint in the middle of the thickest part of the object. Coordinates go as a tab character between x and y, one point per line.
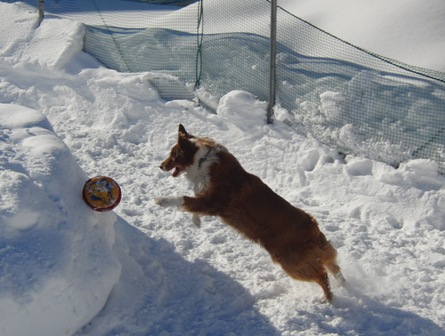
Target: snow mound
55	253
28	45
242	109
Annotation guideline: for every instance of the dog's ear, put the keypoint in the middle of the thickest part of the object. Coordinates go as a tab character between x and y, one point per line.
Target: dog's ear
183	137
182	133
182	130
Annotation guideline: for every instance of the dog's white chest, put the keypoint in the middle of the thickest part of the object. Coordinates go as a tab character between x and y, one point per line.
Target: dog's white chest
198	173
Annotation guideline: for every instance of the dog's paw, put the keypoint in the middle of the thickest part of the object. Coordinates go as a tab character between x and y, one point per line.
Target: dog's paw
196	219
340	279
170	201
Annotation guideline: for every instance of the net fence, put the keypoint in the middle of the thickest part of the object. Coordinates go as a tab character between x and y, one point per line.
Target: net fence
357	101
346	97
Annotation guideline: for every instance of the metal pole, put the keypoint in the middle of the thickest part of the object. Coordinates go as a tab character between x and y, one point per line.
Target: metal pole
41	11
272	64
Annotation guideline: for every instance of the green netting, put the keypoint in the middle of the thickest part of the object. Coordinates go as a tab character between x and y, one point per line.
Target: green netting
357	101
136	36
346	97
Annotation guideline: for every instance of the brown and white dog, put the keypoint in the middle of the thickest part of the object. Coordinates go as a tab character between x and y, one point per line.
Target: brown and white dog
223	188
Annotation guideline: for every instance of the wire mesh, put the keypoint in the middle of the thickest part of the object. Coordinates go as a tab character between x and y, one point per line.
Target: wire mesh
346	97
357	101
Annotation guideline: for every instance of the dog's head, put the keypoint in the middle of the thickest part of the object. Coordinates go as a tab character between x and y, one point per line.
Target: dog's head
182	153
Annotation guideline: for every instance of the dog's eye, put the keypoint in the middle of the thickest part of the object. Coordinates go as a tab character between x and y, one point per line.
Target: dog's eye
176	154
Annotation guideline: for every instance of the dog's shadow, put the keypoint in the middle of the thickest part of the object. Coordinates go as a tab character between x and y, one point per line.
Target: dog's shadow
161	293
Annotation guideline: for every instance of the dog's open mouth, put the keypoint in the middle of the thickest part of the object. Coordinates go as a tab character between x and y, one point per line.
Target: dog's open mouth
177	171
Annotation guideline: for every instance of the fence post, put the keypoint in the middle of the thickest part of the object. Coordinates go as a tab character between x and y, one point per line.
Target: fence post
272	60
200	36
41	11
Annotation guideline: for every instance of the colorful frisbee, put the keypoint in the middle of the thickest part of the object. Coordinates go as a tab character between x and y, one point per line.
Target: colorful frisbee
101	193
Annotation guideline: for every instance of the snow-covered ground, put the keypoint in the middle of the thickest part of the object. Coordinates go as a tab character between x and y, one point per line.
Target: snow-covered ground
144	270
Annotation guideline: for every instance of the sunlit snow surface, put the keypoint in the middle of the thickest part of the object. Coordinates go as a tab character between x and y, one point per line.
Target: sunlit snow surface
144	270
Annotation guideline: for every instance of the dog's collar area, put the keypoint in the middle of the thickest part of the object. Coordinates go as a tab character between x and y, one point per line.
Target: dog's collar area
204	158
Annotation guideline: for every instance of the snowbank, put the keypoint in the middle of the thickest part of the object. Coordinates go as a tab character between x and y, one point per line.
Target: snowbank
408	31
55	253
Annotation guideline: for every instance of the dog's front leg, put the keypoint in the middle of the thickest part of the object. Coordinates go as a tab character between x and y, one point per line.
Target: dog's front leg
177	201
171	201
196	219
196	205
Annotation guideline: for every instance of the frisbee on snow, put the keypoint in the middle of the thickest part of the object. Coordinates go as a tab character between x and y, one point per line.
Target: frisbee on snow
101	193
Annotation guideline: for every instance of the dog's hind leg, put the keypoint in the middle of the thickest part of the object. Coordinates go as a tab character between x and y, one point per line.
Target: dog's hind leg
331	263
336	271
323	281
310	270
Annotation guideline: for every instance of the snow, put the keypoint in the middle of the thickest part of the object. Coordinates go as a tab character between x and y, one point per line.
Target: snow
408	31
48	268
145	270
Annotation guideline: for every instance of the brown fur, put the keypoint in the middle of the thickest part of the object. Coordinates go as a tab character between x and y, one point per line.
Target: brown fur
243	201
